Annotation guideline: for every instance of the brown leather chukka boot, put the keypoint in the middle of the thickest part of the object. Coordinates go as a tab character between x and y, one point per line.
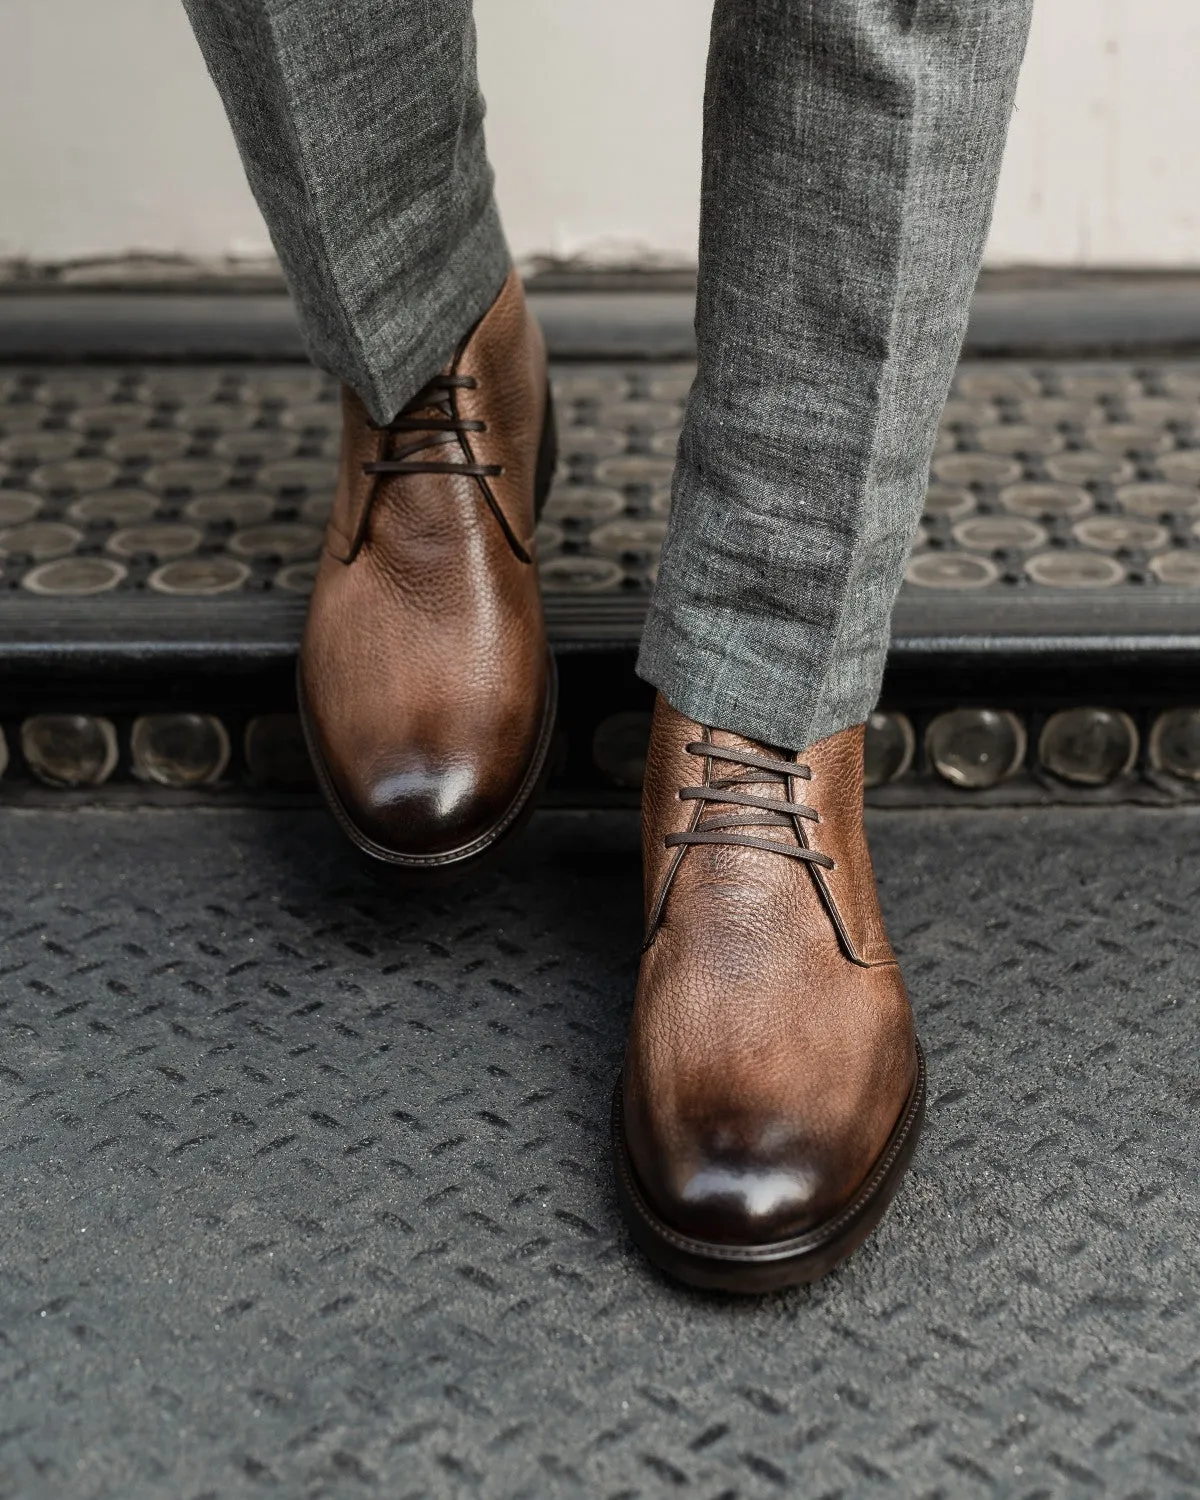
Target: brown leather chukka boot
426	688
773	1089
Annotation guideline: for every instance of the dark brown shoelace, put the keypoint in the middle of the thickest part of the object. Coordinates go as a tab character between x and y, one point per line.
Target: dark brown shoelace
433	415
749	810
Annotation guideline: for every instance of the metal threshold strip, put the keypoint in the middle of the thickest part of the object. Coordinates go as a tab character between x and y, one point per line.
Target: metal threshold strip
1090	318
121	633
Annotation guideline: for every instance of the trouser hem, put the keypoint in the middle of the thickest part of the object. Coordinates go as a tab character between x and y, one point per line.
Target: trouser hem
695	679
388	366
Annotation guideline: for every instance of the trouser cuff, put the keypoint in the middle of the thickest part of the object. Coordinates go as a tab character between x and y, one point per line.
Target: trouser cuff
707	682
392	358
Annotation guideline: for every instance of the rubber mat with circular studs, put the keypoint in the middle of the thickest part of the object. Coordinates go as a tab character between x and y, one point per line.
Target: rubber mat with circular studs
200	481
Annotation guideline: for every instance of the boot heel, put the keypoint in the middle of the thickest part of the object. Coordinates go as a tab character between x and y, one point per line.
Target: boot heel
547	460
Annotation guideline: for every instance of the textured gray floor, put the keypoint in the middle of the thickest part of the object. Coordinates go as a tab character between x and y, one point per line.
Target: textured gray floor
307	1194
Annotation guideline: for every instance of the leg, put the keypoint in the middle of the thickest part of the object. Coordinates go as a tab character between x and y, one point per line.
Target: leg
360	125
773	1088
851	152
426	688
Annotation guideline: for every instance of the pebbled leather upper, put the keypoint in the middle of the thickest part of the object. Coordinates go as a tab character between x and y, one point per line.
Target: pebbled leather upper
424	664
771	1049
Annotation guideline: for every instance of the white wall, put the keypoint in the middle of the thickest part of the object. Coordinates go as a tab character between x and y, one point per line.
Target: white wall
594	122
112	140
111	136
1103	162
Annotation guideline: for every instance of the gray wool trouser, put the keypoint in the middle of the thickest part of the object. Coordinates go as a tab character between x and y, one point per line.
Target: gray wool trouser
851	150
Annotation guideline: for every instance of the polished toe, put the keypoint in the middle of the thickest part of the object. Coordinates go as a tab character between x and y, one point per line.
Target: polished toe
746	1202
737	1180
423	809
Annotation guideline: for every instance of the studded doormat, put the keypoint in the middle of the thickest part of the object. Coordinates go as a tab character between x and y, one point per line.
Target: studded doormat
208	482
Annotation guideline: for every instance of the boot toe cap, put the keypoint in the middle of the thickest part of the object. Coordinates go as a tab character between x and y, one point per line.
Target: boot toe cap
741	1203
421	809
742	1182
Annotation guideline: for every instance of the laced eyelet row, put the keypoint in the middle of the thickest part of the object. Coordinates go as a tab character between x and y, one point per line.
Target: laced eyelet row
432	413
749	810
433	416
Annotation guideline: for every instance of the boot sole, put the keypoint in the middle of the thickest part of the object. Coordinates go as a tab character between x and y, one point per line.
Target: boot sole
547	459
754	1269
397	865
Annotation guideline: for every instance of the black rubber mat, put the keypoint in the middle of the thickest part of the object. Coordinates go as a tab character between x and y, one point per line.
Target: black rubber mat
307	1191
1064	499
160	522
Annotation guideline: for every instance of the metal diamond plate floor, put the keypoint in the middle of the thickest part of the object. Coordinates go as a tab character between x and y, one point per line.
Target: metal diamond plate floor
307	1191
